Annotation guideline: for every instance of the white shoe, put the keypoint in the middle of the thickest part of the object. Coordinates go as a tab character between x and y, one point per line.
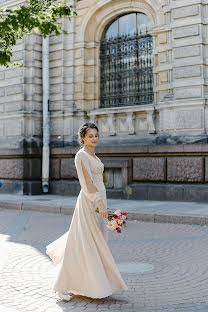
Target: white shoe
64	296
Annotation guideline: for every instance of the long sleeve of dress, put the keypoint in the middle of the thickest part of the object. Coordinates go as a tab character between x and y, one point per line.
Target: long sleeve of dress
85	176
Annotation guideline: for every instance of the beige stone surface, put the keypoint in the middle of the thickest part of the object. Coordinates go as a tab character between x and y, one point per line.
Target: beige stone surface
179	59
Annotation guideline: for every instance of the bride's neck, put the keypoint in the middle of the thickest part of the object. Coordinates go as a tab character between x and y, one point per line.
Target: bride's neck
90	149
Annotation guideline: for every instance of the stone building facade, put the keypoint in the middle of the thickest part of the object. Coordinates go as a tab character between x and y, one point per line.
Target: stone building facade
152	149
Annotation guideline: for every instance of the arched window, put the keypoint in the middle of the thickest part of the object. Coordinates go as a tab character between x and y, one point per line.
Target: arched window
126	62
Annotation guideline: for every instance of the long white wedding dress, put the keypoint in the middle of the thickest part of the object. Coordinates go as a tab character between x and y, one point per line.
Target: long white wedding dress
87	266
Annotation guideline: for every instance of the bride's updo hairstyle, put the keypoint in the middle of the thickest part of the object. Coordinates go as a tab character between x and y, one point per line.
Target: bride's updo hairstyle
83	130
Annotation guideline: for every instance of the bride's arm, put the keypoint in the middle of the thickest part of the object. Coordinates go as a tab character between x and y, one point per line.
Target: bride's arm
92	189
85	179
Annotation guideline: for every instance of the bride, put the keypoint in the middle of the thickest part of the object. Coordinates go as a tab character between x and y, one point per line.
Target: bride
87	267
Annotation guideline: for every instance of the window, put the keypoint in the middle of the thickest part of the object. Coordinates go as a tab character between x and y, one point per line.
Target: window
126	62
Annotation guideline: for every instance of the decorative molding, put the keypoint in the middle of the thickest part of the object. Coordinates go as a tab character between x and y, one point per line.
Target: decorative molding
111	124
100	15
123	110
93	119
130	122
151	122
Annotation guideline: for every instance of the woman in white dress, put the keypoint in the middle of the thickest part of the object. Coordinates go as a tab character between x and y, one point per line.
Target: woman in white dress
87	267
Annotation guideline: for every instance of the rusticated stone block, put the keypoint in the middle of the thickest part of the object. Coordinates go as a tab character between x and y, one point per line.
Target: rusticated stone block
14	90
188	93
185	169
187	72
11	168
68	170
20	169
13	73
149	169
189	51
2	75
13	127
186	31
1	127
162	38
163	76
2	91
185	11
189	119
163	57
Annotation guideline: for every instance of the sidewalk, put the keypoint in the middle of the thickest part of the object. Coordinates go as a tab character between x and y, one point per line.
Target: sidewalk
140	210
164	265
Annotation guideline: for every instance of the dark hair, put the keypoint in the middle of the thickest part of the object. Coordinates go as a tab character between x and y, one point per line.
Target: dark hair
83	130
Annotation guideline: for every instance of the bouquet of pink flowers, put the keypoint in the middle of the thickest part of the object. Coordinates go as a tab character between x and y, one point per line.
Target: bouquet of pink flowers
116	220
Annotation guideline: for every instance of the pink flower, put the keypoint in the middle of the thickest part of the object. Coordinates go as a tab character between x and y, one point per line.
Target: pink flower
120	221
113	226
117	212
116	220
109	227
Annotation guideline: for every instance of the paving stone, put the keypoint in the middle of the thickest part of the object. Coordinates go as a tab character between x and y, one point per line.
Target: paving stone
178	254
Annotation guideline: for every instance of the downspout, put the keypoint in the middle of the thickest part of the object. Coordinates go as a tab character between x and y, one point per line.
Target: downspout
46	117
74	129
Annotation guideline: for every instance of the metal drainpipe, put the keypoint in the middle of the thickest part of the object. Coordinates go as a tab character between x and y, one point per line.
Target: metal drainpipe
73	74
46	117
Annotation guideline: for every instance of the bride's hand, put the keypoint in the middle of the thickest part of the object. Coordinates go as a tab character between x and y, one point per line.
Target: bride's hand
102	210
104	214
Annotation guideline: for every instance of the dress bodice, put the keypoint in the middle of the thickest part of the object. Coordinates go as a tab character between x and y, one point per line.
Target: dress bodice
96	166
93	170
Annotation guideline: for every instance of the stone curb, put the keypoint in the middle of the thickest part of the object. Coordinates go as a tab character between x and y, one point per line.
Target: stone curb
169	218
10	204
139	216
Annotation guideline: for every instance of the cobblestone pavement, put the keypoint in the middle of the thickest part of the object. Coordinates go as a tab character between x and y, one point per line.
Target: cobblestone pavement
177	255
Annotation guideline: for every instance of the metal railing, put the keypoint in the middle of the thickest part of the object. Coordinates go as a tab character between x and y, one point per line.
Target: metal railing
126	70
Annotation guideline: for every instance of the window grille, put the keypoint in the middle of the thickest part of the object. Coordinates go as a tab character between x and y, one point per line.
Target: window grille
126	62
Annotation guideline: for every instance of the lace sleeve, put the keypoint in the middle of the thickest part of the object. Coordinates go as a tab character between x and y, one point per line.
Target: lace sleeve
85	177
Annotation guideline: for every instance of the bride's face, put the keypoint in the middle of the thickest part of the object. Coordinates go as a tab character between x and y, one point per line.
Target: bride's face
91	138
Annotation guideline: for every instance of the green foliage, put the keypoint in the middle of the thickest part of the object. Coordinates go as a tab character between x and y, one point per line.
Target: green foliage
37	15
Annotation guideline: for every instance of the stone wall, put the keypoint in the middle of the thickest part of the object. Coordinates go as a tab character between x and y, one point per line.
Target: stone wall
20	171
178	113
178	172
21	96
21	117
183	112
